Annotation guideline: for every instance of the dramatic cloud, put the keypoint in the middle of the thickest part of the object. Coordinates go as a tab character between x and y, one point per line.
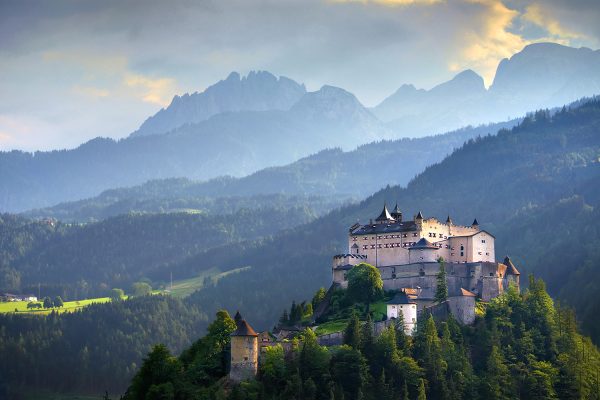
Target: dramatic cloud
73	70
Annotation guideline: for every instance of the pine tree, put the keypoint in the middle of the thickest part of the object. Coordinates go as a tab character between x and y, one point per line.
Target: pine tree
441	290
352	332
422	395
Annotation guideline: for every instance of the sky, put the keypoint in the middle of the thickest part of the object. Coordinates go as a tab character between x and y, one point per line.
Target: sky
72	70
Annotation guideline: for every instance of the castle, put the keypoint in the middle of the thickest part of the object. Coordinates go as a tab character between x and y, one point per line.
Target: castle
406	252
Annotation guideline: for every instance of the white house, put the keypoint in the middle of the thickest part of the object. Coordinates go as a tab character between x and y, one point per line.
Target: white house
401	304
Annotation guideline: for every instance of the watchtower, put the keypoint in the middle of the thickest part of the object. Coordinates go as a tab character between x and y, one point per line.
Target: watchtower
244	351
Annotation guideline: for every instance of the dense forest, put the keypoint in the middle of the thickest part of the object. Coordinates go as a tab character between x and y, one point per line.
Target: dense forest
522	347
96	349
79	261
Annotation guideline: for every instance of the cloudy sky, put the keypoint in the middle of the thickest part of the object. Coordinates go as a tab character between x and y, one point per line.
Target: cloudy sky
74	70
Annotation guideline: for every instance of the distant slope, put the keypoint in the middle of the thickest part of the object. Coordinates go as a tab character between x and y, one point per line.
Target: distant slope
258	91
79	261
334	174
519	175
236	144
542	75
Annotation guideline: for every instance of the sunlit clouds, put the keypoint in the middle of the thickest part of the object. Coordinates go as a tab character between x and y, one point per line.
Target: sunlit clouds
71	71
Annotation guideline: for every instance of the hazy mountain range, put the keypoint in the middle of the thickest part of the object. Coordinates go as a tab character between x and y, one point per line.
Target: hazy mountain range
332	175
242	125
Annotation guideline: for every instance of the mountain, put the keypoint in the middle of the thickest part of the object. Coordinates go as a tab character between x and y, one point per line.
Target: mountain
542	75
258	91
332	175
233	143
450	105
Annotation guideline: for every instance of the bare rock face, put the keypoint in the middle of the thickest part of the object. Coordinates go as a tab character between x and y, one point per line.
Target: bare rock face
259	91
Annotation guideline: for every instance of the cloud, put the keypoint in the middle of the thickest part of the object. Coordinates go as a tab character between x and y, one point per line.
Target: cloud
92	92
488	39
111	64
155	91
393	2
541	17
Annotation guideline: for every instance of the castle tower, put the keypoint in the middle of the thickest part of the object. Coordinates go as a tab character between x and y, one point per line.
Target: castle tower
244	351
397	214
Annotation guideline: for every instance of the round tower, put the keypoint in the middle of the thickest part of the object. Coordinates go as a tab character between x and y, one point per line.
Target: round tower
244	351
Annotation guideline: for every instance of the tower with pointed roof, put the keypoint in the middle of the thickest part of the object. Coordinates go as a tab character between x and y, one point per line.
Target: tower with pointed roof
244	351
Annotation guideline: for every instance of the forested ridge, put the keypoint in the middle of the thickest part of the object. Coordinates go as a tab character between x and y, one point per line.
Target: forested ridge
332	174
78	261
524	346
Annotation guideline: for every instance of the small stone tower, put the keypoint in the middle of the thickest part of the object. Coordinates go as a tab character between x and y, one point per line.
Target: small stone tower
244	351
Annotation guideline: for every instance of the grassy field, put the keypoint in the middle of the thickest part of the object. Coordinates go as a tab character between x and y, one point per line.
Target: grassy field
186	287
69	306
331	327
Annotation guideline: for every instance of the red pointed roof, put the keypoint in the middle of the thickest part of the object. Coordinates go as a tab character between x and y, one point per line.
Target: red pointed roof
243	328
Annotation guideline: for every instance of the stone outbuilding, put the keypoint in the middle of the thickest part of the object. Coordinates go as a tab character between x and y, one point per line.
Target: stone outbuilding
402	305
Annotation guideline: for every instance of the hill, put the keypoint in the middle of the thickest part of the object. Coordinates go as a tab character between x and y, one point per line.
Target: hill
78	261
334	175
502	180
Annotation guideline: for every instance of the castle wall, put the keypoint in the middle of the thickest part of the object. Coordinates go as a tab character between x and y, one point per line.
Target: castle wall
463	308
486	279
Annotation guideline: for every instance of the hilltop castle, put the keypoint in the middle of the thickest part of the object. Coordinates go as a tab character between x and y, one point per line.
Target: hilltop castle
406	252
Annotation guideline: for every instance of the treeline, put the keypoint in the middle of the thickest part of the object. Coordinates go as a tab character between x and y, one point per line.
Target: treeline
177	194
94	350
523	347
81	261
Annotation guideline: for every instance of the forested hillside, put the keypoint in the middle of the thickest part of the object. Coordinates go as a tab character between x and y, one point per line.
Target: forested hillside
80	261
524	347
332	174
522	174
93	350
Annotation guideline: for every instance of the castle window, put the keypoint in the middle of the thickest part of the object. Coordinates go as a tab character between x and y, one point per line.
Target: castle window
479	252
245	358
462	247
404	235
372	246
491	274
487	254
354	238
365	247
462	254
451	254
379	246
434	235
393	276
415	234
482	240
